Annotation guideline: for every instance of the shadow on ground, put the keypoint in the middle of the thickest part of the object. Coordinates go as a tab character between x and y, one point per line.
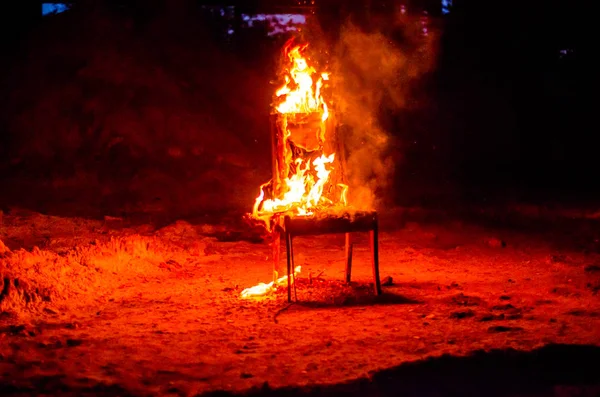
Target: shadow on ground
359	301
346	301
554	370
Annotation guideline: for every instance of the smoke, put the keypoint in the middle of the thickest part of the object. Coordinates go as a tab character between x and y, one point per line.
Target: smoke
374	72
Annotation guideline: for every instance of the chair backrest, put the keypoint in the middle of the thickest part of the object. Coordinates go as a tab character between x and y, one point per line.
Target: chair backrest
304	136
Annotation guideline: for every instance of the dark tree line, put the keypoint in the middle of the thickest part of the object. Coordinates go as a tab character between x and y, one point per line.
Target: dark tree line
519	75
511	103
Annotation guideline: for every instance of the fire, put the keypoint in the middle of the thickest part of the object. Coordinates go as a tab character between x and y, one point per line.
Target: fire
305	189
305	182
300	92
263	289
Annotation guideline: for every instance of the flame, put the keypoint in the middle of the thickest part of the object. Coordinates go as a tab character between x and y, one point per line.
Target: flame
262	289
304	187
300	93
302	192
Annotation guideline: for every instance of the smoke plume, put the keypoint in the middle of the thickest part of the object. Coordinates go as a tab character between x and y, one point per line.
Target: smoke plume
374	72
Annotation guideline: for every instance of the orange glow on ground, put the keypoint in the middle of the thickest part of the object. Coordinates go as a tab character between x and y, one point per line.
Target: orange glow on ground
147	313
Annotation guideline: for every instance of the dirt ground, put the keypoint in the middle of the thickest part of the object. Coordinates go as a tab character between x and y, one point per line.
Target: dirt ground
107	307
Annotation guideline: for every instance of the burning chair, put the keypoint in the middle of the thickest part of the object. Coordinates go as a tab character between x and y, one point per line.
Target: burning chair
307	194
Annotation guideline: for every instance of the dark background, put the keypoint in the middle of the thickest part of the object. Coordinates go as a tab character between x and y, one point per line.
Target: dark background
122	107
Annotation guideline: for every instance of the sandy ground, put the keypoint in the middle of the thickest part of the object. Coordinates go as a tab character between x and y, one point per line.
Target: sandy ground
109	308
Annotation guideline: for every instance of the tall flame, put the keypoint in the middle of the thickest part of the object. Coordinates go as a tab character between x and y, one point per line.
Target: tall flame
305	188
301	93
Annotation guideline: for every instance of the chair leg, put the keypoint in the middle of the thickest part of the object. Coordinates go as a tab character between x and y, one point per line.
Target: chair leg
276	254
348	257
288	245
375	258
293	268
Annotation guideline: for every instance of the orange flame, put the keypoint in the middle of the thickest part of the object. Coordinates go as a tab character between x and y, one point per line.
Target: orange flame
300	92
306	189
263	289
302	191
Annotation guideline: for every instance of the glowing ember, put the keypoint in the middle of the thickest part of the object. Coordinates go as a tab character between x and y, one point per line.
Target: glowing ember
264	289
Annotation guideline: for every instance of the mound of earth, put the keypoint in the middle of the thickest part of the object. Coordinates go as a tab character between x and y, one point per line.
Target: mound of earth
81	262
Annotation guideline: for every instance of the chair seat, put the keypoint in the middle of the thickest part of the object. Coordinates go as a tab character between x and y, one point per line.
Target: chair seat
359	221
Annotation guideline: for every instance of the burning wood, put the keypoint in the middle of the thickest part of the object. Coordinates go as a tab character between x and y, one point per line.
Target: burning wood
308	177
262	289
304	181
